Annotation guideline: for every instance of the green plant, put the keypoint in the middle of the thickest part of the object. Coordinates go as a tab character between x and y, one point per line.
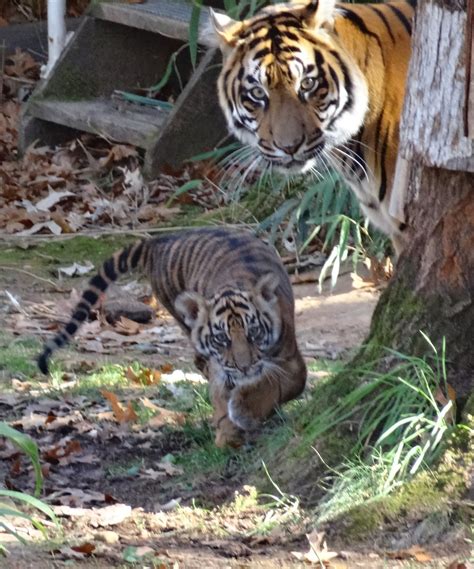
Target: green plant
29	447
281	507
400	416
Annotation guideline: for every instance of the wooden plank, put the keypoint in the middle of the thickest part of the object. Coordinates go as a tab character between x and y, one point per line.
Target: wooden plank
196	124
169	18
122	122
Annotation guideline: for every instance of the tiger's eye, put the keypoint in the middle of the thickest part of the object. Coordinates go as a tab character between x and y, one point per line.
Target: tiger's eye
307	83
220	338
255	332
257	93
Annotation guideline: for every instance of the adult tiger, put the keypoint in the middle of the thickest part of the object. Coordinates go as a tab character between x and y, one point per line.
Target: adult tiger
318	85
231	295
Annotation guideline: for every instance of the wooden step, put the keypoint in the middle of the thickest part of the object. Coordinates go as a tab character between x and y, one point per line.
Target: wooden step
123	47
117	120
169	18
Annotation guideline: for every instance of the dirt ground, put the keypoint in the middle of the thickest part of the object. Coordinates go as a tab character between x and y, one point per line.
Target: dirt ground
113	487
209	528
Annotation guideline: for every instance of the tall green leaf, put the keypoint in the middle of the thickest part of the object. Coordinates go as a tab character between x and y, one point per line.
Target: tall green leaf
29	447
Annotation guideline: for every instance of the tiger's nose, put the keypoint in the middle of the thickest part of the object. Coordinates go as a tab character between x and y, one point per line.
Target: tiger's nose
291	148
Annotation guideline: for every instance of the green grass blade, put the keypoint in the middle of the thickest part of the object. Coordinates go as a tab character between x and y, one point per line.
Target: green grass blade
194	31
31	501
188	186
14	533
29	447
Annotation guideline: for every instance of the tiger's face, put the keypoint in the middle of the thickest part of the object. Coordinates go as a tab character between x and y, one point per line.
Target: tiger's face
287	87
235	330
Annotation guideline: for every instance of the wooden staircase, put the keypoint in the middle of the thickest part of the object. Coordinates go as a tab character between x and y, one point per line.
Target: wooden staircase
121	48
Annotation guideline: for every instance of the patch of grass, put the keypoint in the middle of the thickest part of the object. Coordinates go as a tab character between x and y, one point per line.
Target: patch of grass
49	255
105	377
17	357
204	457
406	459
9	512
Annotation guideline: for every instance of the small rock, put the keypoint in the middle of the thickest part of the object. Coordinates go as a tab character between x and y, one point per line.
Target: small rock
108	536
114	514
131	309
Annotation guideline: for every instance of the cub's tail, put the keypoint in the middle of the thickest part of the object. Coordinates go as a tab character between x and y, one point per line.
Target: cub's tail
120	263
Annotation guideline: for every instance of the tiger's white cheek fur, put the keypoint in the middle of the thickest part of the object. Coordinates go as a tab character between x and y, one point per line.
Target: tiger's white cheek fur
349	122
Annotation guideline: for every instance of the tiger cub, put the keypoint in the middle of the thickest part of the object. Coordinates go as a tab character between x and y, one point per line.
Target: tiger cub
232	297
314	86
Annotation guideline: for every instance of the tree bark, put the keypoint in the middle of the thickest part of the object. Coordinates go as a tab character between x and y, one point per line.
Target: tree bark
433	288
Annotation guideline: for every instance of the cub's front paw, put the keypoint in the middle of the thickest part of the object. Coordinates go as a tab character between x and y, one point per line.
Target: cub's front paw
228	434
241	416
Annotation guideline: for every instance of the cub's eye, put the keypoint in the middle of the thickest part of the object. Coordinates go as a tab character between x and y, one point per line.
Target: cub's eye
255	332
307	83
257	93
220	338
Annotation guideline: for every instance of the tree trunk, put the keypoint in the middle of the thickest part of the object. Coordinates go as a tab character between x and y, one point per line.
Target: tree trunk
433	288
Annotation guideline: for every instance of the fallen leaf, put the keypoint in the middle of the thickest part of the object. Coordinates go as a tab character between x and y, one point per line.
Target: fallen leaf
20	63
67	553
415	552
318	552
167	417
76	269
85	548
145	376
75	498
37	227
51	200
126	326
122	415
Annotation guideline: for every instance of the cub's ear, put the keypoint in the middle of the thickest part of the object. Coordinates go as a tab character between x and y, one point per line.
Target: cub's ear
266	287
317	13
225	29
192	307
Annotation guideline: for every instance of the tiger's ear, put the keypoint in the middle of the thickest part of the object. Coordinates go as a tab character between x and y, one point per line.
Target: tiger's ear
318	13
225	29
192	308
266	287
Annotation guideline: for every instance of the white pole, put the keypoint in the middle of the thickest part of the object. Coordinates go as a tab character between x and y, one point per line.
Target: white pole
56	32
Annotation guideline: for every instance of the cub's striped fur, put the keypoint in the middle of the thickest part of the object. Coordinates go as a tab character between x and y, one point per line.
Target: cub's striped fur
318	86
231	295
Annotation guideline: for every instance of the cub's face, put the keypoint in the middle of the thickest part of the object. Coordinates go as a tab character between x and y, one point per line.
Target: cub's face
236	331
287	88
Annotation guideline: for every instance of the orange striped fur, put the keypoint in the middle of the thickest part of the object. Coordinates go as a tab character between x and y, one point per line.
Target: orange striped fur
319	86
